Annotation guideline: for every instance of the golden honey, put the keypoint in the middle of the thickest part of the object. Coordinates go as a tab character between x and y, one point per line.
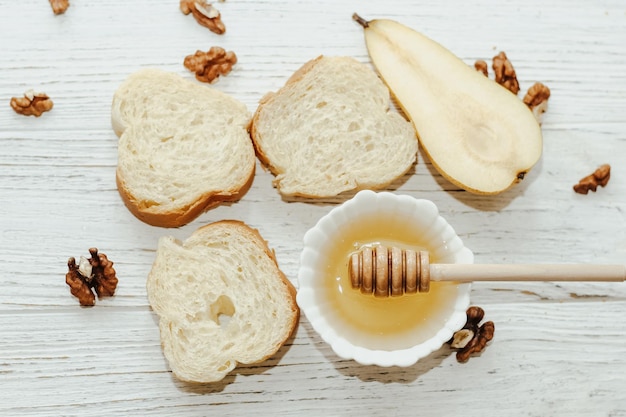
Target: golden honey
382	323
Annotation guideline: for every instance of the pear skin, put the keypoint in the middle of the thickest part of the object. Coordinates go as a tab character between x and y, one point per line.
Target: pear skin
476	133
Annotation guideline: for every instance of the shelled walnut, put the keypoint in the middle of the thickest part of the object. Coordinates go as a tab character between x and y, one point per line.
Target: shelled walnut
473	337
537	99
505	73
89	276
32	104
599	177
209	65
482	67
59	6
205	14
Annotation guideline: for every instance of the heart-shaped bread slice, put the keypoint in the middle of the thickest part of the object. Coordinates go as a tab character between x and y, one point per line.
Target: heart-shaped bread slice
183	147
221	300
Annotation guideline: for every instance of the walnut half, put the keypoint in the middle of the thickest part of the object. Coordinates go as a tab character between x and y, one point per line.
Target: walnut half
599	177
209	65
473	337
59	6
537	99
95	274
205	14
32	104
505	73
482	67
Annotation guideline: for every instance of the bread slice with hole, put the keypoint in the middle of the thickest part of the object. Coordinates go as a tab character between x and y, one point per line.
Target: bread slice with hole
183	147
330	129
221	300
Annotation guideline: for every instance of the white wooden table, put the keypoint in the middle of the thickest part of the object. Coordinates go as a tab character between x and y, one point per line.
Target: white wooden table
559	350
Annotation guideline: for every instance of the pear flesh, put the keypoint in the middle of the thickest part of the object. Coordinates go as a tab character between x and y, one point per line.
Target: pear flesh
478	135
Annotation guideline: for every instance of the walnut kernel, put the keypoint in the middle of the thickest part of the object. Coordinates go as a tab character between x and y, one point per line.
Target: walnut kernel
32	104
209	65
505	73
59	6
481	66
95	274
473	337
599	177
205	14
537	99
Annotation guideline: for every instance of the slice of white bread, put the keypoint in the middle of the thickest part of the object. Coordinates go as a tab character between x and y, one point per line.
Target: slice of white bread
221	300
330	129
183	147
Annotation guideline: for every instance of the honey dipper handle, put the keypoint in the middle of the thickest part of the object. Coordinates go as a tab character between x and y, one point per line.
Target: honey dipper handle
393	272
527	272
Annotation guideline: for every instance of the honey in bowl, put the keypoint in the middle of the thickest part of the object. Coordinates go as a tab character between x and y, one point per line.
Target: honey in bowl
382	323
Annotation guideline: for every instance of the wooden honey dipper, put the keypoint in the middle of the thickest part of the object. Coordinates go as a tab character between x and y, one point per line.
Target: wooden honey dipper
393	272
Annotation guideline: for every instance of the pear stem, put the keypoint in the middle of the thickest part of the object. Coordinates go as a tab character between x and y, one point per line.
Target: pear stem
360	20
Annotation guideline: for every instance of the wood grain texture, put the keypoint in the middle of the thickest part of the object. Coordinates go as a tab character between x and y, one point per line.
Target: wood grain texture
559	348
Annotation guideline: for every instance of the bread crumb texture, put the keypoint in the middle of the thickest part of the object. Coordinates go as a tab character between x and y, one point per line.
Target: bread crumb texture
221	300
180	144
330	129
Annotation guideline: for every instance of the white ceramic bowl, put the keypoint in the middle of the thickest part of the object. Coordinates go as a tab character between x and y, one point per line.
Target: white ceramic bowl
395	331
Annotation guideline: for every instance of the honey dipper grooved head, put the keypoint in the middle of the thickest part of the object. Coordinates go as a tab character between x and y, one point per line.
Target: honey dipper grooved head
389	271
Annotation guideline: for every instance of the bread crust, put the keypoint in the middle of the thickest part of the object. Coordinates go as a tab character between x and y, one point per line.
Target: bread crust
178	218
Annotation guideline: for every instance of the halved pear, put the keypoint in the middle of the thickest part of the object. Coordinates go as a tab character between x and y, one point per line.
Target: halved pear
478	135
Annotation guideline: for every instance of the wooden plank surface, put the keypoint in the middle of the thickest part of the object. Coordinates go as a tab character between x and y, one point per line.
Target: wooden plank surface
559	349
